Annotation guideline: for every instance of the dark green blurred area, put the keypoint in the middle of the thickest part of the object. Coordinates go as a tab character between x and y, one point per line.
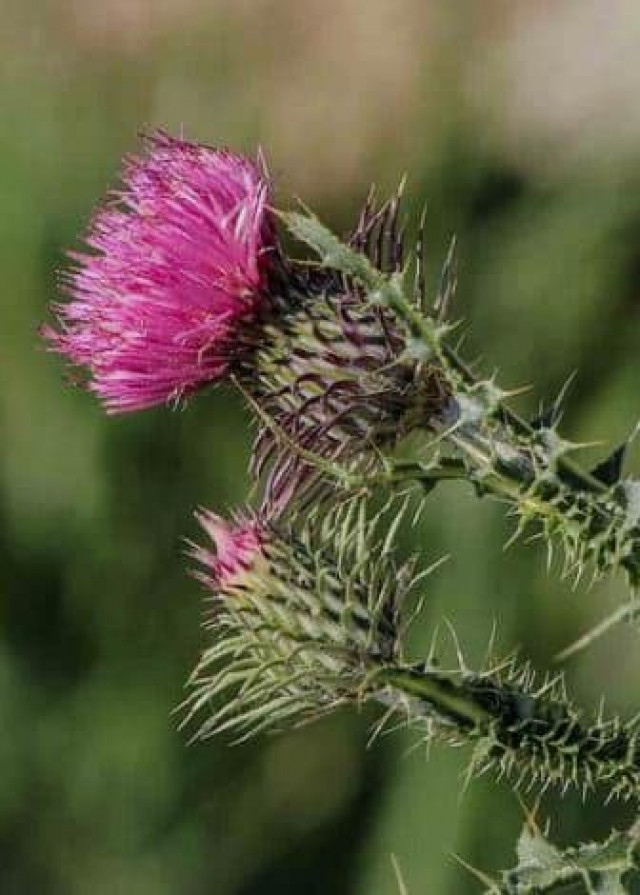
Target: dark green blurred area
525	144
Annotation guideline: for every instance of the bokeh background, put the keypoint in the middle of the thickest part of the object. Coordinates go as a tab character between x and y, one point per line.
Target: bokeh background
519	123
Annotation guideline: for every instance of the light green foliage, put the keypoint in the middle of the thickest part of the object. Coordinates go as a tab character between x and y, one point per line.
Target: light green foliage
600	868
386	290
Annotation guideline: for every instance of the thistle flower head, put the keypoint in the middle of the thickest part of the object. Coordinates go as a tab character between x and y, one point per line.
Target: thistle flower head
335	379
301	620
175	272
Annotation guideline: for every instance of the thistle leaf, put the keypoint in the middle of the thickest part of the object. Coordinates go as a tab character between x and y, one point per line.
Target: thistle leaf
603	868
331	251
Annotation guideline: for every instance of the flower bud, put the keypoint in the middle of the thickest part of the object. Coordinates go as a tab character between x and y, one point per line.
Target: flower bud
299	626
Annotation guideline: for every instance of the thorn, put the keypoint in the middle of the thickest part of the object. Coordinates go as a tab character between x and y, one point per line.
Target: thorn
609	471
432	655
490	644
623	613
448	283
549	418
420	284
516	392
545	419
402	887
478	874
462	665
530	814
562	394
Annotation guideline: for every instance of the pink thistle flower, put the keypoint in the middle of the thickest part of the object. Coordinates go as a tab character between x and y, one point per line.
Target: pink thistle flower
162	305
238	545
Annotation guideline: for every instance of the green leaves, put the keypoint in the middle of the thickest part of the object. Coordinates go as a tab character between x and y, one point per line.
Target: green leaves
602	868
332	252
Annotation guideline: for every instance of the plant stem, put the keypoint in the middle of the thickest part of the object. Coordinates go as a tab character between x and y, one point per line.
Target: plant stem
594	520
592	516
532	732
448	697
602	508
573	473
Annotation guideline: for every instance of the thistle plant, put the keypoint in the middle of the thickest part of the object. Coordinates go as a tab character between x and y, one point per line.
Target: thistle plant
595	516
186	284
312	620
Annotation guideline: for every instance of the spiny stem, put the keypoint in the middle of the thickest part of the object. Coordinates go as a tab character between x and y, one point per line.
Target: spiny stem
428	474
533	733
574	474
510	480
448	697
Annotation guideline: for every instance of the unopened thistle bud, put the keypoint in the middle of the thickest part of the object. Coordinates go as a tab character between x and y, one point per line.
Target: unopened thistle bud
300	627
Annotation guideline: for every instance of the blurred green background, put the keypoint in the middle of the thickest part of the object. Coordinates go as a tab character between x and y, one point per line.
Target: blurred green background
519	123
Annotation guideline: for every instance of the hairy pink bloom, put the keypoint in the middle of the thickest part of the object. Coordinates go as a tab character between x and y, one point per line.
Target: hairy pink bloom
159	308
237	546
